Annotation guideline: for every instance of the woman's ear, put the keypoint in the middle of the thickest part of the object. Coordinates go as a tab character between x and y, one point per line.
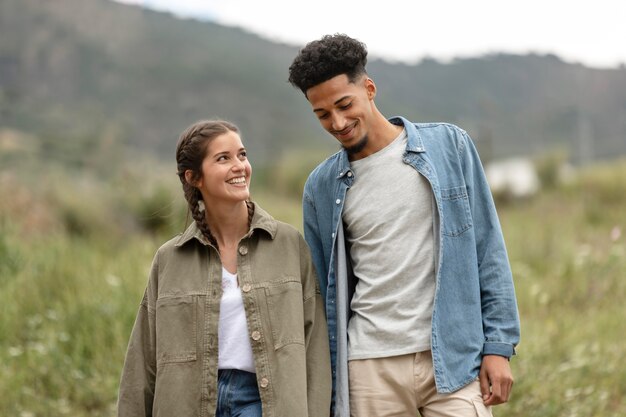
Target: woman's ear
189	178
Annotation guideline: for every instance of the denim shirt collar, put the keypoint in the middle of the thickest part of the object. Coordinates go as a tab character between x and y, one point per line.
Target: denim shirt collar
414	144
414	141
343	164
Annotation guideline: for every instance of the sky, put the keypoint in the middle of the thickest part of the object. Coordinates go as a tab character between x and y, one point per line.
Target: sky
592	33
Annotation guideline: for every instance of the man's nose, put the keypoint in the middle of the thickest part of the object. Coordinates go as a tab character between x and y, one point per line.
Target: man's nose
338	122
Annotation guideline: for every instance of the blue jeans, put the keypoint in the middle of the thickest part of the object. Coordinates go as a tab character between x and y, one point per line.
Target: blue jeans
238	394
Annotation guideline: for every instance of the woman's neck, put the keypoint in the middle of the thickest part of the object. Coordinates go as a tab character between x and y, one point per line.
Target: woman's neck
228	224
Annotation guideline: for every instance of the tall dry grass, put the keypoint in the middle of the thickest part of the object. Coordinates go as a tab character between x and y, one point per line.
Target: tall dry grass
75	253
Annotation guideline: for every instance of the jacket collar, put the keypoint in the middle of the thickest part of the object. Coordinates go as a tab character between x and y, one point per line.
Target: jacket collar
414	144
414	141
261	220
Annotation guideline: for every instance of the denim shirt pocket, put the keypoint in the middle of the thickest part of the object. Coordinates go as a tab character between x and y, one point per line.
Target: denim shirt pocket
457	217
176	321
285	312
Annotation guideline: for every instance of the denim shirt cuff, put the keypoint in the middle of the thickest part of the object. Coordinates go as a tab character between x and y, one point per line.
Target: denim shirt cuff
499	348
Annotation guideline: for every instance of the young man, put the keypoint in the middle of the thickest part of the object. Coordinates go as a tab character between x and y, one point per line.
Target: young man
409	252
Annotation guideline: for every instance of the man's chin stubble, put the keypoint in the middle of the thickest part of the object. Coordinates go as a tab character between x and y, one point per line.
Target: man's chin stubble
357	147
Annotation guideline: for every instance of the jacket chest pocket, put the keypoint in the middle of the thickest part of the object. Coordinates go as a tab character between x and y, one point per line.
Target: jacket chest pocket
457	217
176	323
285	312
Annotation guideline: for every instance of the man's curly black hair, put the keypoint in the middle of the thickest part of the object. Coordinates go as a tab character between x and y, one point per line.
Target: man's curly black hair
323	59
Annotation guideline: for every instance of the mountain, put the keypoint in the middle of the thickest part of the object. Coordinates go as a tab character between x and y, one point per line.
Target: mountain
516	105
86	72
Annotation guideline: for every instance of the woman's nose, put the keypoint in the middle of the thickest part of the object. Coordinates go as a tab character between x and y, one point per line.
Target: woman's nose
238	165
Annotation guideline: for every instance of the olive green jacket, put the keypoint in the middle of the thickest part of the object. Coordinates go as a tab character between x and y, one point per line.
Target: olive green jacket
171	363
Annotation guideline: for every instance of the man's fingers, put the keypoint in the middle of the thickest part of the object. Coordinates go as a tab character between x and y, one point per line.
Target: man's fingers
484	385
500	392
496	394
496	380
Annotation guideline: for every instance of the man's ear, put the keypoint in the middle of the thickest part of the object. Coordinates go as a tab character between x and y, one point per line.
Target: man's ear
370	87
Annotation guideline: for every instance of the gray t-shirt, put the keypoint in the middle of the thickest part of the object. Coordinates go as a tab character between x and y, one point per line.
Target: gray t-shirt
388	219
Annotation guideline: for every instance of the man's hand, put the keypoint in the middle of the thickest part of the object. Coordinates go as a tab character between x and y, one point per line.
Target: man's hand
496	379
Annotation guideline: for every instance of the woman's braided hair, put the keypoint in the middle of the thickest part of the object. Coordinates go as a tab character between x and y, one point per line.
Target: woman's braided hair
190	152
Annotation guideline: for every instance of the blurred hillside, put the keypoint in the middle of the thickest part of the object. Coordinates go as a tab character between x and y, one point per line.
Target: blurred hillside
88	74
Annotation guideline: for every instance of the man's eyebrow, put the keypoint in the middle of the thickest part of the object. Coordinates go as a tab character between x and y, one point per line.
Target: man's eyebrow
335	103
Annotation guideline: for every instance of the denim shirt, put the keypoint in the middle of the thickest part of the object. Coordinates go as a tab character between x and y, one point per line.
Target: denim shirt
475	310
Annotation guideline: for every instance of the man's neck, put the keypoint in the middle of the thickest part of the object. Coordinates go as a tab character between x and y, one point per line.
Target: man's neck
382	134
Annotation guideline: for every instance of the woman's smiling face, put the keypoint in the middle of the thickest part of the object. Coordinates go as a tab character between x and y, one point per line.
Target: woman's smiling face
226	171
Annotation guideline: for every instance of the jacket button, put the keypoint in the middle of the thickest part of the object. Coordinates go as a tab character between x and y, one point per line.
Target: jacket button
246	287
243	250
256	335
264	382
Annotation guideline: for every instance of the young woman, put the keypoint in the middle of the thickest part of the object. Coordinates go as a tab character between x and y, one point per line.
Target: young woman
231	322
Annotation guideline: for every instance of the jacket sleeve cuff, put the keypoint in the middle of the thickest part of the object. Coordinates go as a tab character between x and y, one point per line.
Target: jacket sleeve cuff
499	348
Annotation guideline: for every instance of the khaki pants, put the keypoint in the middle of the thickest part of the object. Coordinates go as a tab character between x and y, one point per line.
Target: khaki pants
402	386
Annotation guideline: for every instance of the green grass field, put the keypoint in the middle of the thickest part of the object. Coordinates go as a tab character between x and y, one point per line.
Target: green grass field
75	253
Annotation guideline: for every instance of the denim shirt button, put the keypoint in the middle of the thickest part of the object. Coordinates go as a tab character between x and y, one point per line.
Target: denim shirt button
264	382
243	250
256	335
333	235
337	201
349	174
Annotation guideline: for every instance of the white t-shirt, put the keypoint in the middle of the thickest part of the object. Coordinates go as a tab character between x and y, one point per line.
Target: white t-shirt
388	218
235	351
